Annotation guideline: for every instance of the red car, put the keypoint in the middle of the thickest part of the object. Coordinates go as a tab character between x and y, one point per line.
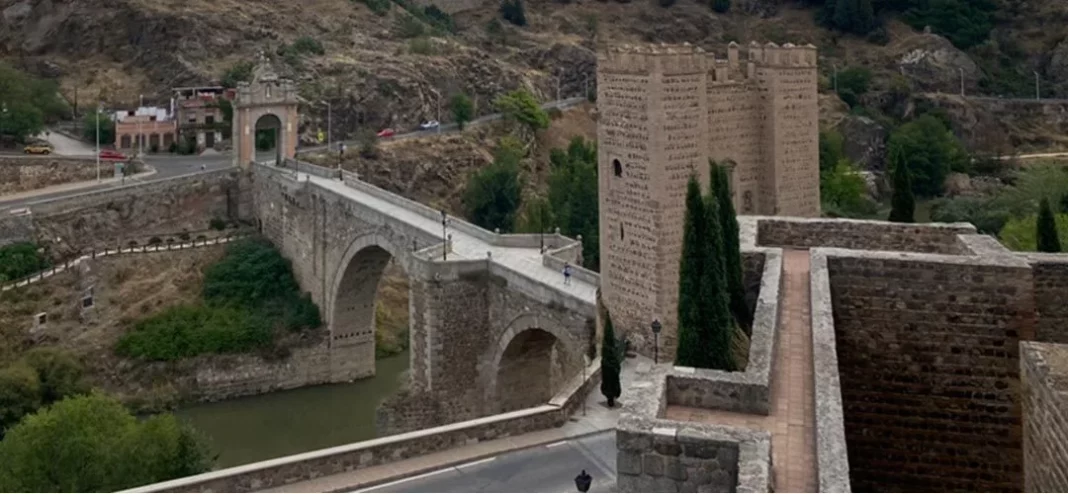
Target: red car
109	154
386	133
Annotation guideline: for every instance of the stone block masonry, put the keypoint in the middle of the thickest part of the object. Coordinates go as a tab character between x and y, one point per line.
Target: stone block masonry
862	235
107	218
1044	375
1051	292
23	173
927	353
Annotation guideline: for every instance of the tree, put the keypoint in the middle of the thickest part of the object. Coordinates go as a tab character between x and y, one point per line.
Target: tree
537	216
92	443
705	323
573	196
27	103
462	109
732	260
58	372
610	362
1020	234
238	72
521	107
843	192
1046	229
691	266
20	394
20	259
721	6
930	151
494	193
107	127
831	149
902	204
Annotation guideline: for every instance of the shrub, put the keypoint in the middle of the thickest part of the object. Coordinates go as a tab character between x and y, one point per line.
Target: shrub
462	109
239	72
494	193
721	6
93	444
514	12
217	224
187	331
59	373
421	46
380	7
1020	234
20	259
308	45
20	394
410	27
154	241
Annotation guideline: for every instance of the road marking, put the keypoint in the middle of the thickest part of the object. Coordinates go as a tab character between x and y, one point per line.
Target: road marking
553	445
473	463
405	480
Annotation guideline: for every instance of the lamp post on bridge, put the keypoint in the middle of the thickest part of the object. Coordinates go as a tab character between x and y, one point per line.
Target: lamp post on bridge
656	340
444	236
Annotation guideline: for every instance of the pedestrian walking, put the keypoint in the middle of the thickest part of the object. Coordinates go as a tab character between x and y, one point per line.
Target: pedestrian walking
567	273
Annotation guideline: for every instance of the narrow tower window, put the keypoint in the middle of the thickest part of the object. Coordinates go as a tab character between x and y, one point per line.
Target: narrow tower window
617	168
621	236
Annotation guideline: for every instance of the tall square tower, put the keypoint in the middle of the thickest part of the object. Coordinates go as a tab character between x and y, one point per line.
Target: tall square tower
664	111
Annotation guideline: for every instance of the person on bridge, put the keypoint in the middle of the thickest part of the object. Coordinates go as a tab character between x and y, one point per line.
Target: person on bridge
567	273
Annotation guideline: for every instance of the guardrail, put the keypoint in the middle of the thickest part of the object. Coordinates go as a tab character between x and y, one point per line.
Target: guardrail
95	254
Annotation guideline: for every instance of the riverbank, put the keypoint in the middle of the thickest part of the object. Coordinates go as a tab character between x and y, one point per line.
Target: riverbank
280	423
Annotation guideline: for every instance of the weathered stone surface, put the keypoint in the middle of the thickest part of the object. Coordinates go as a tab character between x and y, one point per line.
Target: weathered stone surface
864	142
23	173
935	238
1044	375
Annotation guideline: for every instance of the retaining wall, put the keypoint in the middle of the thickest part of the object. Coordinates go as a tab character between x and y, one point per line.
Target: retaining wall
1044	372
23	173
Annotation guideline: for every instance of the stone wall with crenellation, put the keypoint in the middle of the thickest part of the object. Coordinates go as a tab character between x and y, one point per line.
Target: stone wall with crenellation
927	349
938	238
1044	373
1051	293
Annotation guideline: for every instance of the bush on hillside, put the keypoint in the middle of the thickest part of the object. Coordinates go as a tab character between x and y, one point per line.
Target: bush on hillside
20	259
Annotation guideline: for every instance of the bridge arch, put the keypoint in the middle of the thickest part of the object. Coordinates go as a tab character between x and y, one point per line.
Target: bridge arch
352	296
529	363
268	137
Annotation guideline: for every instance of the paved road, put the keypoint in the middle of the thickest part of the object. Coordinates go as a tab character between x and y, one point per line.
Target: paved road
166	166
550	468
450	128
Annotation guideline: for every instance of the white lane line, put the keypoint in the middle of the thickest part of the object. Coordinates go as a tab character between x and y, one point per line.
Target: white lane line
405	480
473	463
553	445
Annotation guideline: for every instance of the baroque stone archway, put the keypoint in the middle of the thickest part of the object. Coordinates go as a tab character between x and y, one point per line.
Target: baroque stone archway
530	362
267	94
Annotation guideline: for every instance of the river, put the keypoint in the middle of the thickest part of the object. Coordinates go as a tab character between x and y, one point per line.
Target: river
255	428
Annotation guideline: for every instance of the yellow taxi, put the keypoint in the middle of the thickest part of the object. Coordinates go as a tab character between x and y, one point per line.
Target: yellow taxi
37	149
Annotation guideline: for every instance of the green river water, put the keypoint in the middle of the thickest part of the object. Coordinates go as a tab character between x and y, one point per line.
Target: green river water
256	428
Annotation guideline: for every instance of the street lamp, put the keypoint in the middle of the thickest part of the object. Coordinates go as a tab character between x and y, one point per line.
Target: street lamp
583	481
98	141
656	340
140	135
444	237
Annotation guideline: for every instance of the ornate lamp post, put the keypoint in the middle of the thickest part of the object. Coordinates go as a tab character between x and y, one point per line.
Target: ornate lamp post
656	340
583	481
444	237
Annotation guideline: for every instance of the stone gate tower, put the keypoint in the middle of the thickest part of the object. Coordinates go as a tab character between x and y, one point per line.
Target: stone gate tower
664	111
268	102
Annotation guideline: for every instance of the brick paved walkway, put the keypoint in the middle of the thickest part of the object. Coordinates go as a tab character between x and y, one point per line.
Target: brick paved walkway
792	422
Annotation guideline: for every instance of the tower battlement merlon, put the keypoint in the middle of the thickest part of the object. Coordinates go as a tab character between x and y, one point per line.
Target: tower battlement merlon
649	59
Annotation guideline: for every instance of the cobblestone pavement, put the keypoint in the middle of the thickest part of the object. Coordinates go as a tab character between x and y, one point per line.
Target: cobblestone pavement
792	422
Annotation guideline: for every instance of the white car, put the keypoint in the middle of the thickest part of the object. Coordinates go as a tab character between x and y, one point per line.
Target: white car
429	124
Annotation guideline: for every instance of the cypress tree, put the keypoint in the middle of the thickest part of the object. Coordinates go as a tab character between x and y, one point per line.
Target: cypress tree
688	351
610	363
1046	226
902	204
717	323
728	221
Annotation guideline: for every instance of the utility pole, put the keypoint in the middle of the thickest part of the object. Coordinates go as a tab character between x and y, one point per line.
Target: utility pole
439	111
140	134
329	126
961	69
1038	93
98	141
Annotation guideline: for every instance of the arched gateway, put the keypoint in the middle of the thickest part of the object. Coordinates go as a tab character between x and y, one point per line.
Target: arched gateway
267	104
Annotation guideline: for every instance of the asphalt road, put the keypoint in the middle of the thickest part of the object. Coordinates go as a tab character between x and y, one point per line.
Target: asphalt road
550	468
166	167
448	128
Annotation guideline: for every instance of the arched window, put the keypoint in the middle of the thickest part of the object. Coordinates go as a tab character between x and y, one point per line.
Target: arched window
617	168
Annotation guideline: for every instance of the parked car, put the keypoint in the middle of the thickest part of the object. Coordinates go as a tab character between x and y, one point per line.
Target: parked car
386	133
429	124
112	155
37	149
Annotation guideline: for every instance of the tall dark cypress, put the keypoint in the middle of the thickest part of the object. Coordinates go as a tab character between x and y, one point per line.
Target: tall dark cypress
691	265
903	203
717	322
728	222
610	363
1046	234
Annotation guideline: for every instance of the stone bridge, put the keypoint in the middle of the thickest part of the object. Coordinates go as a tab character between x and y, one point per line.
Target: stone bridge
493	328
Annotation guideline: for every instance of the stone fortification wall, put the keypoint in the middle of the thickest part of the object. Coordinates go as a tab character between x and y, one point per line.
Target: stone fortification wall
1044	372
937	238
109	217
22	173
1051	292
927	354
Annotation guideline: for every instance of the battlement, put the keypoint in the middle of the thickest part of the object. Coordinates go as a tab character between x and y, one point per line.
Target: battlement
740	63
